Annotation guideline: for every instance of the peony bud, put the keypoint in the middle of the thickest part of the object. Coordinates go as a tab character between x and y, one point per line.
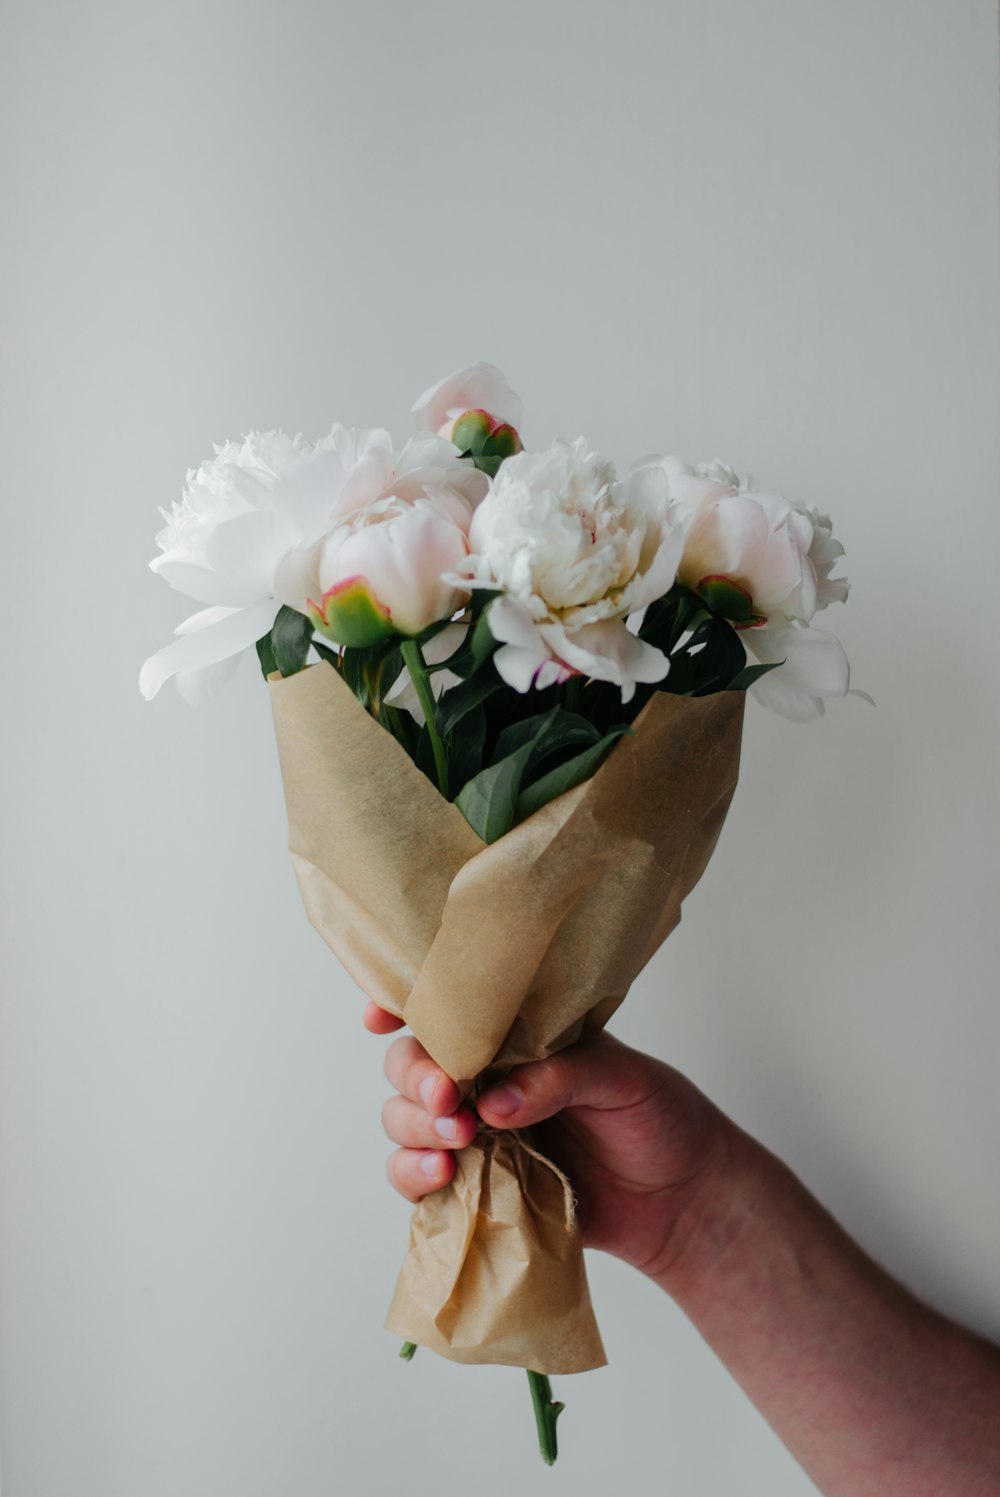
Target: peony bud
480	387
350	614
490	441
382	574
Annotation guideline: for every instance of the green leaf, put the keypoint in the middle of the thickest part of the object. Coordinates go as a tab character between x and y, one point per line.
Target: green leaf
290	639
751	673
465	749
454	704
478	644
566	776
423	755
488	801
722	658
325	653
265	655
547	732
488	465
371	670
669	617
402	727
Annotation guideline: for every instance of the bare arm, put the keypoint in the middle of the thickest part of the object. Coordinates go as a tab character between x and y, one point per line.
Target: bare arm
875	1394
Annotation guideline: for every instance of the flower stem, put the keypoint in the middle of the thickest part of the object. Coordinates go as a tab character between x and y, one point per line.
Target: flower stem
546	1414
413	659
406	1350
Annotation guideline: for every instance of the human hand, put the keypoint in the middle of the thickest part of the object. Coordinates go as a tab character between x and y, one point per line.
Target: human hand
639	1143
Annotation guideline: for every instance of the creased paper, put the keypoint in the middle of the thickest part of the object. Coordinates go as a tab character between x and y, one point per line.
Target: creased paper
495	956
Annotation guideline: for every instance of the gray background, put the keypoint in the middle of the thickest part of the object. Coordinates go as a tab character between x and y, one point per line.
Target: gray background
765	230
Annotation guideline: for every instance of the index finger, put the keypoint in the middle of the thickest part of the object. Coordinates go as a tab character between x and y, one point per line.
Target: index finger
379	1020
419	1079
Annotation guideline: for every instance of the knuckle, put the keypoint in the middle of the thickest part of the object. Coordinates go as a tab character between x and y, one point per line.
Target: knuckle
396	1172
388	1109
552	1083
397	1058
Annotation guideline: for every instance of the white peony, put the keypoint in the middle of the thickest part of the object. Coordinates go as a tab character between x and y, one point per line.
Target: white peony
481	387
574	552
243	536
765	563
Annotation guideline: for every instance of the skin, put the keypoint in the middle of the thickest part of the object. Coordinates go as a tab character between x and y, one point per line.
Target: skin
873	1392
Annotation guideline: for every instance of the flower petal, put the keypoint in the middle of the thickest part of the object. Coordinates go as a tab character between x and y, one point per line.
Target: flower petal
608	651
480	385
815	666
250	547
520	667
199	685
208	645
512	624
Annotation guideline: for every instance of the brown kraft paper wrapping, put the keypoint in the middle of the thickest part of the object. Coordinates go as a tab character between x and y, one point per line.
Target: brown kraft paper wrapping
497	955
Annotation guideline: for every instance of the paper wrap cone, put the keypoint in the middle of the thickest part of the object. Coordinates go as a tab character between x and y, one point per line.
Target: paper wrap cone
497	955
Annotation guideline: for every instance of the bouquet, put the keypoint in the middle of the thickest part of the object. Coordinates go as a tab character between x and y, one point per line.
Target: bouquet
508	689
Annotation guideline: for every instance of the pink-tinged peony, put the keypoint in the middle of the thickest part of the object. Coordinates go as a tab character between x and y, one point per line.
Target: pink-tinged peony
574	552
427	466
764	563
382	573
481	387
244	536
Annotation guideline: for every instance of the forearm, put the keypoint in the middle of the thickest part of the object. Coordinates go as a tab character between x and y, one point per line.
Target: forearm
872	1392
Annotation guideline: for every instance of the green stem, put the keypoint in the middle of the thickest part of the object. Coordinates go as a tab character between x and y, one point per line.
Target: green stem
546	1414
407	1349
414	661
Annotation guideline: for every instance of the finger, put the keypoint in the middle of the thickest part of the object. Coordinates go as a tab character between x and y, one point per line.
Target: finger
379	1020
414	1074
415	1173
602	1074
414	1128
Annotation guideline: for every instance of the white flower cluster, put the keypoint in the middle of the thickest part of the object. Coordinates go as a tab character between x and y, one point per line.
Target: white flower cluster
277	520
371	543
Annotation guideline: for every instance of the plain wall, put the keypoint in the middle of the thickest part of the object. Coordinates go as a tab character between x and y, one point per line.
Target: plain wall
765	230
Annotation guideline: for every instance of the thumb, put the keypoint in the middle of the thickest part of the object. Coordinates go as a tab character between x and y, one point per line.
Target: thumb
602	1073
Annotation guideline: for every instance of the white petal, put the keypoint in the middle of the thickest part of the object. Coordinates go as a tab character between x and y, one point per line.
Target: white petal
296	578
814	661
511	623
308	492
250	548
207	646
661	574
204	619
478	386
519	667
607	651
199	685
200	582
442	646
815	666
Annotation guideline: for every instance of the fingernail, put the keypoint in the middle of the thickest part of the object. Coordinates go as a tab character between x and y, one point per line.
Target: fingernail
426	1089
504	1100
430	1163
447	1127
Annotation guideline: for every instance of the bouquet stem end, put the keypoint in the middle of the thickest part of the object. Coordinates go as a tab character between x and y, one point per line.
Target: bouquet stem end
546	1414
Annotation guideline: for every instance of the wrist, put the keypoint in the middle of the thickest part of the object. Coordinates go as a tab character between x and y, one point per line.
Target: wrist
710	1213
